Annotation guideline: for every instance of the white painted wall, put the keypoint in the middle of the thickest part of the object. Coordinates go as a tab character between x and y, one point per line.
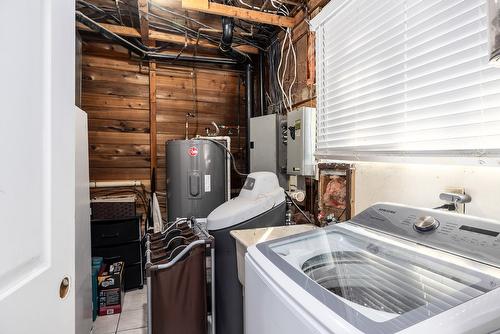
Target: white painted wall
420	185
83	275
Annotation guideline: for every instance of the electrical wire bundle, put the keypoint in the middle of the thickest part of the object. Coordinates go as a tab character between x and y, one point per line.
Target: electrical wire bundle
279	7
273	95
256	36
287	95
281	57
281	54
278	94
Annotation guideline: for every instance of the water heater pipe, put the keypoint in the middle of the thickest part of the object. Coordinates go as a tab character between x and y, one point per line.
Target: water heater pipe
217	130
249	107
261	84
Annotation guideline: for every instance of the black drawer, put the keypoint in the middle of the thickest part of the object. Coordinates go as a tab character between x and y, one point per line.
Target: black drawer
115	231
133	276
129	253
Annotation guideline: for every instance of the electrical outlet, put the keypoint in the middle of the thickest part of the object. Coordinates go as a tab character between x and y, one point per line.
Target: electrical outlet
457	190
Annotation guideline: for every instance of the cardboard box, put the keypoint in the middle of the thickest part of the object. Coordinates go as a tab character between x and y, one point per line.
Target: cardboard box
111	276
109	310
111	288
97	263
110	301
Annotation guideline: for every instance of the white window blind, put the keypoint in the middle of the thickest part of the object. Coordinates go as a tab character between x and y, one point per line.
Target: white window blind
406	78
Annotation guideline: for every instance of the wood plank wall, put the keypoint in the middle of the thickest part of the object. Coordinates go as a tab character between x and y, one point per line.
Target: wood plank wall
115	94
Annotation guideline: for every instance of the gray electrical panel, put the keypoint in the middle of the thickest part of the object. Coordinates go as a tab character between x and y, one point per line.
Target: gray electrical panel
196	177
267	145
301	141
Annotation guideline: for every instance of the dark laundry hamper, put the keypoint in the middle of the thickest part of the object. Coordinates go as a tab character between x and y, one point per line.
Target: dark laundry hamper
179	296
177	288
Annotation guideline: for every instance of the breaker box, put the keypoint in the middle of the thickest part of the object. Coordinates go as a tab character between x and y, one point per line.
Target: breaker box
267	145
301	141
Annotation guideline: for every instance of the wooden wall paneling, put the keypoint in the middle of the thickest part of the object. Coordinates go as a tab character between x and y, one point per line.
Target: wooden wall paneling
118	125
111	161
116	98
98	101
97	47
119	174
120	95
114	76
112	88
116	64
119	150
112	113
107	137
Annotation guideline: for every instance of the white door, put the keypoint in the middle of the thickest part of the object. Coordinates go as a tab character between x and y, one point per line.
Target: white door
37	168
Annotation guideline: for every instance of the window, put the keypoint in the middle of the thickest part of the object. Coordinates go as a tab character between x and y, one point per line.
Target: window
406	78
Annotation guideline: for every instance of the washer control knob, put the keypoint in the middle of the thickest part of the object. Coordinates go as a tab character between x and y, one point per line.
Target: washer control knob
426	224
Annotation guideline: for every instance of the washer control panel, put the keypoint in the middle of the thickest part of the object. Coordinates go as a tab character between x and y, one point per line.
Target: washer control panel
426	224
468	236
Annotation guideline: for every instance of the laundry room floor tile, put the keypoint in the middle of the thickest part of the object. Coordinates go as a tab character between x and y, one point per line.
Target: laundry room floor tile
132	319
143	330
135	300
106	324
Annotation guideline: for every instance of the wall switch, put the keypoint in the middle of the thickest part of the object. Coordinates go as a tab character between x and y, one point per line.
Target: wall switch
457	190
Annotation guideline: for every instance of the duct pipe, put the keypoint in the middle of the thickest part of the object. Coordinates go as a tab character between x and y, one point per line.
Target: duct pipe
249	107
226	42
261	84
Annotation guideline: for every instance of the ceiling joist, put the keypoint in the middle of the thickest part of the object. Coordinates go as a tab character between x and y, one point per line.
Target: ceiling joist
208	7
143	8
164	37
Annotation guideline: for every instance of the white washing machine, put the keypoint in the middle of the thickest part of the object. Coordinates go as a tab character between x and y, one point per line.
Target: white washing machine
391	269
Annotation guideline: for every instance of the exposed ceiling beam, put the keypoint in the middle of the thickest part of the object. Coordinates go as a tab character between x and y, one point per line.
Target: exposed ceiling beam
312	5
143	9
155	35
237	12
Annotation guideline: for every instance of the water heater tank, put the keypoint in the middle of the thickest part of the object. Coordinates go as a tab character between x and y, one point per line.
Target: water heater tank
196	177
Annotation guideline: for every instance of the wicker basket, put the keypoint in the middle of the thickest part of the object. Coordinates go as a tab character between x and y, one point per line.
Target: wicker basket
113	208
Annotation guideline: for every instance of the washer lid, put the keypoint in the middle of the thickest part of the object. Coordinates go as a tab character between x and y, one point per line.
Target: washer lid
260	193
376	282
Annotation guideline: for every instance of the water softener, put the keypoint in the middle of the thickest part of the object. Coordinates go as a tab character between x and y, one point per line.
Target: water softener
261	203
